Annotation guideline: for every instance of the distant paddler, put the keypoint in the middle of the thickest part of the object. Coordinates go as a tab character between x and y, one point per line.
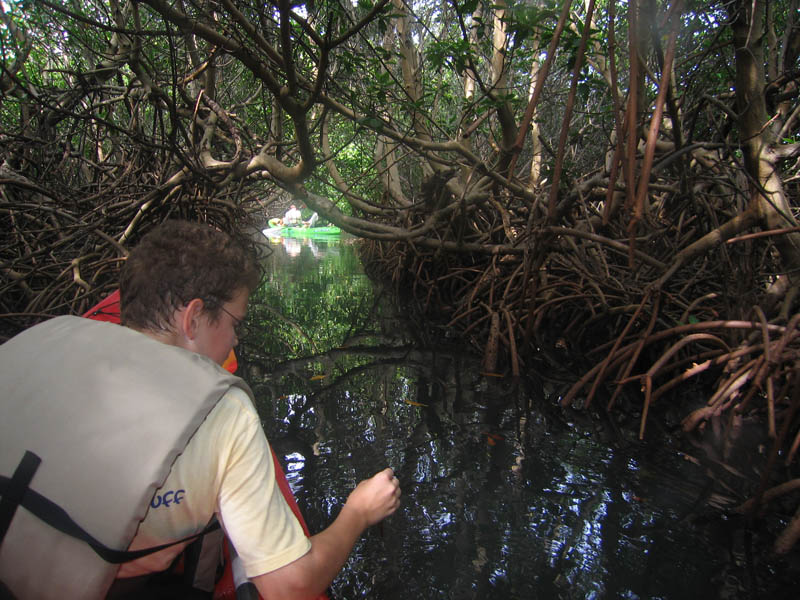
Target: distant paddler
293	217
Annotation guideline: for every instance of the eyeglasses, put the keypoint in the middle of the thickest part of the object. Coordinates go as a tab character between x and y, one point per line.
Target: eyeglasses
240	327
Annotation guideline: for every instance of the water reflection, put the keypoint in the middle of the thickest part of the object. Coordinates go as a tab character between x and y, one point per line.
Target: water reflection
293	247
502	497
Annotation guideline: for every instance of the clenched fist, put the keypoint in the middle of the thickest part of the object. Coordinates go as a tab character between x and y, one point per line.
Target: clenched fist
375	498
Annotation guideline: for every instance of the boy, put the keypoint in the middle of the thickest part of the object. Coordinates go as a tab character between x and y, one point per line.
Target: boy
142	438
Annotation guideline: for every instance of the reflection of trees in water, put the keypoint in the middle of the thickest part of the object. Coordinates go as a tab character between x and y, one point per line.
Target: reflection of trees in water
501	496
442	426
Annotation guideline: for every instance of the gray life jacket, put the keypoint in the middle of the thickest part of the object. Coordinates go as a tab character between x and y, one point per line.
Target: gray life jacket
108	410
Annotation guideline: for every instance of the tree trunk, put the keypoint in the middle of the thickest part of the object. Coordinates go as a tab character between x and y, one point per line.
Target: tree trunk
757	134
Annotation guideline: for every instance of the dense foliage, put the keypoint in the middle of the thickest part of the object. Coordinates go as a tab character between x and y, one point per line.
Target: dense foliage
613	179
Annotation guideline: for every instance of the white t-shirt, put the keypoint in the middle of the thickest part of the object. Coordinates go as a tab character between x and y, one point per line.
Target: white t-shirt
227	470
293	216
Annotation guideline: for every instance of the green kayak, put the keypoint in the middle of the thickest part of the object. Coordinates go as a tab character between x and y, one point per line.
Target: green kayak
303	232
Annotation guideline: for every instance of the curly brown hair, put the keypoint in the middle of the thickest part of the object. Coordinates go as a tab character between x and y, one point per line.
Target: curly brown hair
177	262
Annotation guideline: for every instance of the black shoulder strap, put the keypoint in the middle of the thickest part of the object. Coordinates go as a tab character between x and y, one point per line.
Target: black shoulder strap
15	491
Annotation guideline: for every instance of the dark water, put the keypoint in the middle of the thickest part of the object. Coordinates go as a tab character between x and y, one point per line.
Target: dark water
504	496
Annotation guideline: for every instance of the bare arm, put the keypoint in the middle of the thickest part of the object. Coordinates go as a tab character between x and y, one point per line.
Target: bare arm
373	500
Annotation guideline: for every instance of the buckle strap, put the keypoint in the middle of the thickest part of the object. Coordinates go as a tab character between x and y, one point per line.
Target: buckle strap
15	490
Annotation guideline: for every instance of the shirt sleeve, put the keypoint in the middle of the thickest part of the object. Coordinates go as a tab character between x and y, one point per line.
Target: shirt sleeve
255	515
